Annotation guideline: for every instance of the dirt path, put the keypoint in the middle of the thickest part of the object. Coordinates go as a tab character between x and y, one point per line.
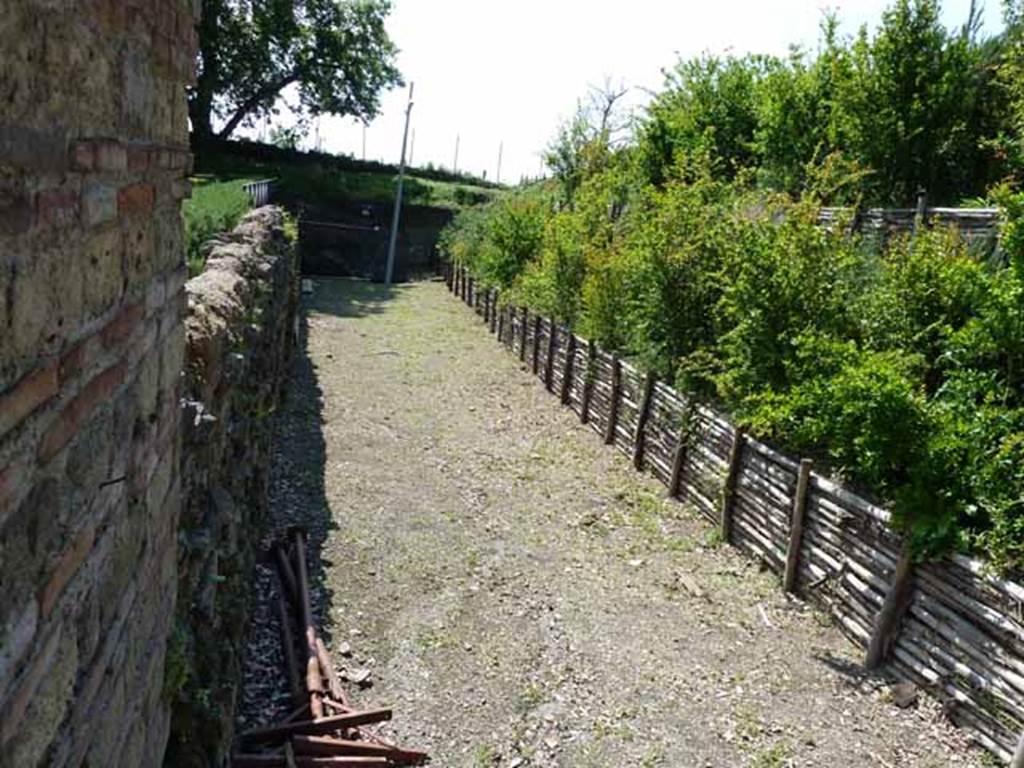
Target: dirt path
521	596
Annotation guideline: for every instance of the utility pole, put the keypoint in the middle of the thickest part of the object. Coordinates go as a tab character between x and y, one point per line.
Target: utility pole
455	163
390	268
412	147
497	176
364	142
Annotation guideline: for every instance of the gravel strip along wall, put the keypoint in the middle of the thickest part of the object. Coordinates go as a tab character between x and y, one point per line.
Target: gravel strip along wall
240	333
93	158
947	626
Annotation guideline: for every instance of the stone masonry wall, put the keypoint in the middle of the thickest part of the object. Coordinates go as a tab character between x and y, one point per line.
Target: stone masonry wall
240	331
93	157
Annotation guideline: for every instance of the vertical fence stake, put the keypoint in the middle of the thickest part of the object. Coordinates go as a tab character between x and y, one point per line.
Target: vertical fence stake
501	325
495	308
679	460
570	353
897	599
588	382
613	403
549	360
641	421
522	335
796	526
463	285
487	307
536	344
729	488
1018	754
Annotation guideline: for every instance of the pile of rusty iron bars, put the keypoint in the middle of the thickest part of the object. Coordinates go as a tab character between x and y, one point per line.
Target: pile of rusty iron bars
324	729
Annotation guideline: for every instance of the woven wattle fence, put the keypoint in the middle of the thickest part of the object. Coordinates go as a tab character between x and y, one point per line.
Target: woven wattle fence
948	626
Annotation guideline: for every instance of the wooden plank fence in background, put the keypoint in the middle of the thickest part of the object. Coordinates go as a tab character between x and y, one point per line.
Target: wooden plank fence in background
976	225
949	626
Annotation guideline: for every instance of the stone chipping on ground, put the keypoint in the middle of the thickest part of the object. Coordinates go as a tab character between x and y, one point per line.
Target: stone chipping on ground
518	593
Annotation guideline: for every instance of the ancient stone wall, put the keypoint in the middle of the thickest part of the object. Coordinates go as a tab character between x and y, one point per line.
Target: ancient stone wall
93	157
240	333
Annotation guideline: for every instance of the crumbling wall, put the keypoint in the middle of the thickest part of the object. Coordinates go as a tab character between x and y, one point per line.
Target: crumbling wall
240	331
93	157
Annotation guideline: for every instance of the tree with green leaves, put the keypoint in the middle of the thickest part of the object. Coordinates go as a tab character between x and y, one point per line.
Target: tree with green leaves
336	54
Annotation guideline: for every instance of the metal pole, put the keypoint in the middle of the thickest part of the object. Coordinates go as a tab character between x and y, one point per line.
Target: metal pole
389	272
455	163
497	176
364	142
412	147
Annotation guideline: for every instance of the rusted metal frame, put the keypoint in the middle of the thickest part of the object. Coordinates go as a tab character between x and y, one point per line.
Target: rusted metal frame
613	401
641	421
314	727
570	354
328	746
588	382
729	486
679	459
890	617
796	525
314	681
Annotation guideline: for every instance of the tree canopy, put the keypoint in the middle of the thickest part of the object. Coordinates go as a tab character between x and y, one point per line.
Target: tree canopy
336	53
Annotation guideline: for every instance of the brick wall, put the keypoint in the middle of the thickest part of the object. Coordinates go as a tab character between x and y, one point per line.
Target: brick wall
93	155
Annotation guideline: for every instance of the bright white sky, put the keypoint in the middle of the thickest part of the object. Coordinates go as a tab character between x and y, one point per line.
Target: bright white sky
497	71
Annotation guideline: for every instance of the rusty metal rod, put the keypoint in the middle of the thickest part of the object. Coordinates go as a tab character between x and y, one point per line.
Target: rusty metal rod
314	683
288	647
330	673
284	568
279	761
319	727
328	745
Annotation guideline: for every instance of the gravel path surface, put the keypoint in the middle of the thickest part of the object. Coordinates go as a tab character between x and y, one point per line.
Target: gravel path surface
519	594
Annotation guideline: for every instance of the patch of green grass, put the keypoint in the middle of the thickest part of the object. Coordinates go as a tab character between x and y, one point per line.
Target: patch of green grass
329	184
484	756
775	756
530	697
215	206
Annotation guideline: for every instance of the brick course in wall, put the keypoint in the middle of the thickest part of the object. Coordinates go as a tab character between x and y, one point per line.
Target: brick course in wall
93	155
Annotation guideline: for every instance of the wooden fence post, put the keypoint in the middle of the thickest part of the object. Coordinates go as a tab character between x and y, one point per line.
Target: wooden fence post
570	353
679	459
887	623
641	421
522	334
1018	754
796	525
501	325
613	402
495	308
588	382
535	366
462	286
729	487
549	360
